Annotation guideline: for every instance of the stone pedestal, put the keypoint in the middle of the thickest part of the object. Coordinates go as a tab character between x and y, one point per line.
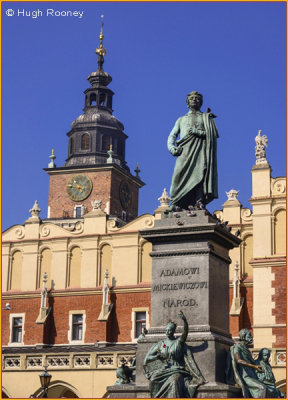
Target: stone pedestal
190	272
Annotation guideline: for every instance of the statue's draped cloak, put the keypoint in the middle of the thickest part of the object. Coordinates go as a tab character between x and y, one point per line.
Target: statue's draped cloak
197	163
179	377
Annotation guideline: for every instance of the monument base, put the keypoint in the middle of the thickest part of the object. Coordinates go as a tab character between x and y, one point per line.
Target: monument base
207	391
130	391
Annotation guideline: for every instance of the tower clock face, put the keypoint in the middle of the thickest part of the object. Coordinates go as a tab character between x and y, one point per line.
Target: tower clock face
125	194
79	187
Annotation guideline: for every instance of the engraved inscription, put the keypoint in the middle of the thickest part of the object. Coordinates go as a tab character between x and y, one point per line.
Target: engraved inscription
179	303
179	286
179	271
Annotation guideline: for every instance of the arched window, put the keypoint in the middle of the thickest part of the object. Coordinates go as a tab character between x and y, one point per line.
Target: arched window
45	266
105	143
16	271
105	263
146	263
85	141
75	268
280	232
247	255
93	99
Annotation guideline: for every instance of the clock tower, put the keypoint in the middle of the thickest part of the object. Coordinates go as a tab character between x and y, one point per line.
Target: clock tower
95	170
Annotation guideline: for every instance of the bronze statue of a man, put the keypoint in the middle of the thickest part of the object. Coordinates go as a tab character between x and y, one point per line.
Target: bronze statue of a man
249	374
195	179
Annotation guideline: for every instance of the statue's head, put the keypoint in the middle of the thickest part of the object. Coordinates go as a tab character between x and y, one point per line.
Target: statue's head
194	100
264	354
170	329
245	336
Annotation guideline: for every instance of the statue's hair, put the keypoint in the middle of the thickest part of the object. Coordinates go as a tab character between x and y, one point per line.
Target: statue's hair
172	324
243	333
261	352
195	93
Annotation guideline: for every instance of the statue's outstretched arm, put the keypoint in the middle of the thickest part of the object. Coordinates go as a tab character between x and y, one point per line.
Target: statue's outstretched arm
239	360
185	332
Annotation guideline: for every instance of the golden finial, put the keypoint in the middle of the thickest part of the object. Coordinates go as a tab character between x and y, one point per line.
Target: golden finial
111	146
52	152
101	51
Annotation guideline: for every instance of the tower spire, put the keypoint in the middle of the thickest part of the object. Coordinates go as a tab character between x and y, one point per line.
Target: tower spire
101	51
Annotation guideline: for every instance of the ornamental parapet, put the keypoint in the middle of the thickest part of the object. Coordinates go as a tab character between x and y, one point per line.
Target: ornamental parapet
67	361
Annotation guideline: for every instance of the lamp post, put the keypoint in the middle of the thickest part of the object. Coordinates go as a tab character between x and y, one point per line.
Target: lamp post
45	379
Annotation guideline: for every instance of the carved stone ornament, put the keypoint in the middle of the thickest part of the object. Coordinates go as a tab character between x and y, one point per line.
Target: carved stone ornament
281	358
164	199
45	231
149	221
20	232
246	214
35	210
260	152
79	228
232	194
96	205
278	186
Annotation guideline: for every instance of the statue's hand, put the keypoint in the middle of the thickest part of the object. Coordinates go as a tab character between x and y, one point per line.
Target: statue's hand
161	356
182	316
176	151
197	132
259	368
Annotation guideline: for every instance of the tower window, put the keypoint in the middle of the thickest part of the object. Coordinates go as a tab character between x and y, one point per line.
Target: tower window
105	143
102	99
93	99
71	145
109	102
78	211
120	148
124	216
85	142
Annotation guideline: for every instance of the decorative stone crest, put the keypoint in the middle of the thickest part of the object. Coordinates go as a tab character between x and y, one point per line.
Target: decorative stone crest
164	199
35	210
260	152
232	194
96	205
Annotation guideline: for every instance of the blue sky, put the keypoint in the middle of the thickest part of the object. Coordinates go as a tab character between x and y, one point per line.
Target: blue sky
233	53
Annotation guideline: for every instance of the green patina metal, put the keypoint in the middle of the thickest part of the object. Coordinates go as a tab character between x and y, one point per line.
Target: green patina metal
195	176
